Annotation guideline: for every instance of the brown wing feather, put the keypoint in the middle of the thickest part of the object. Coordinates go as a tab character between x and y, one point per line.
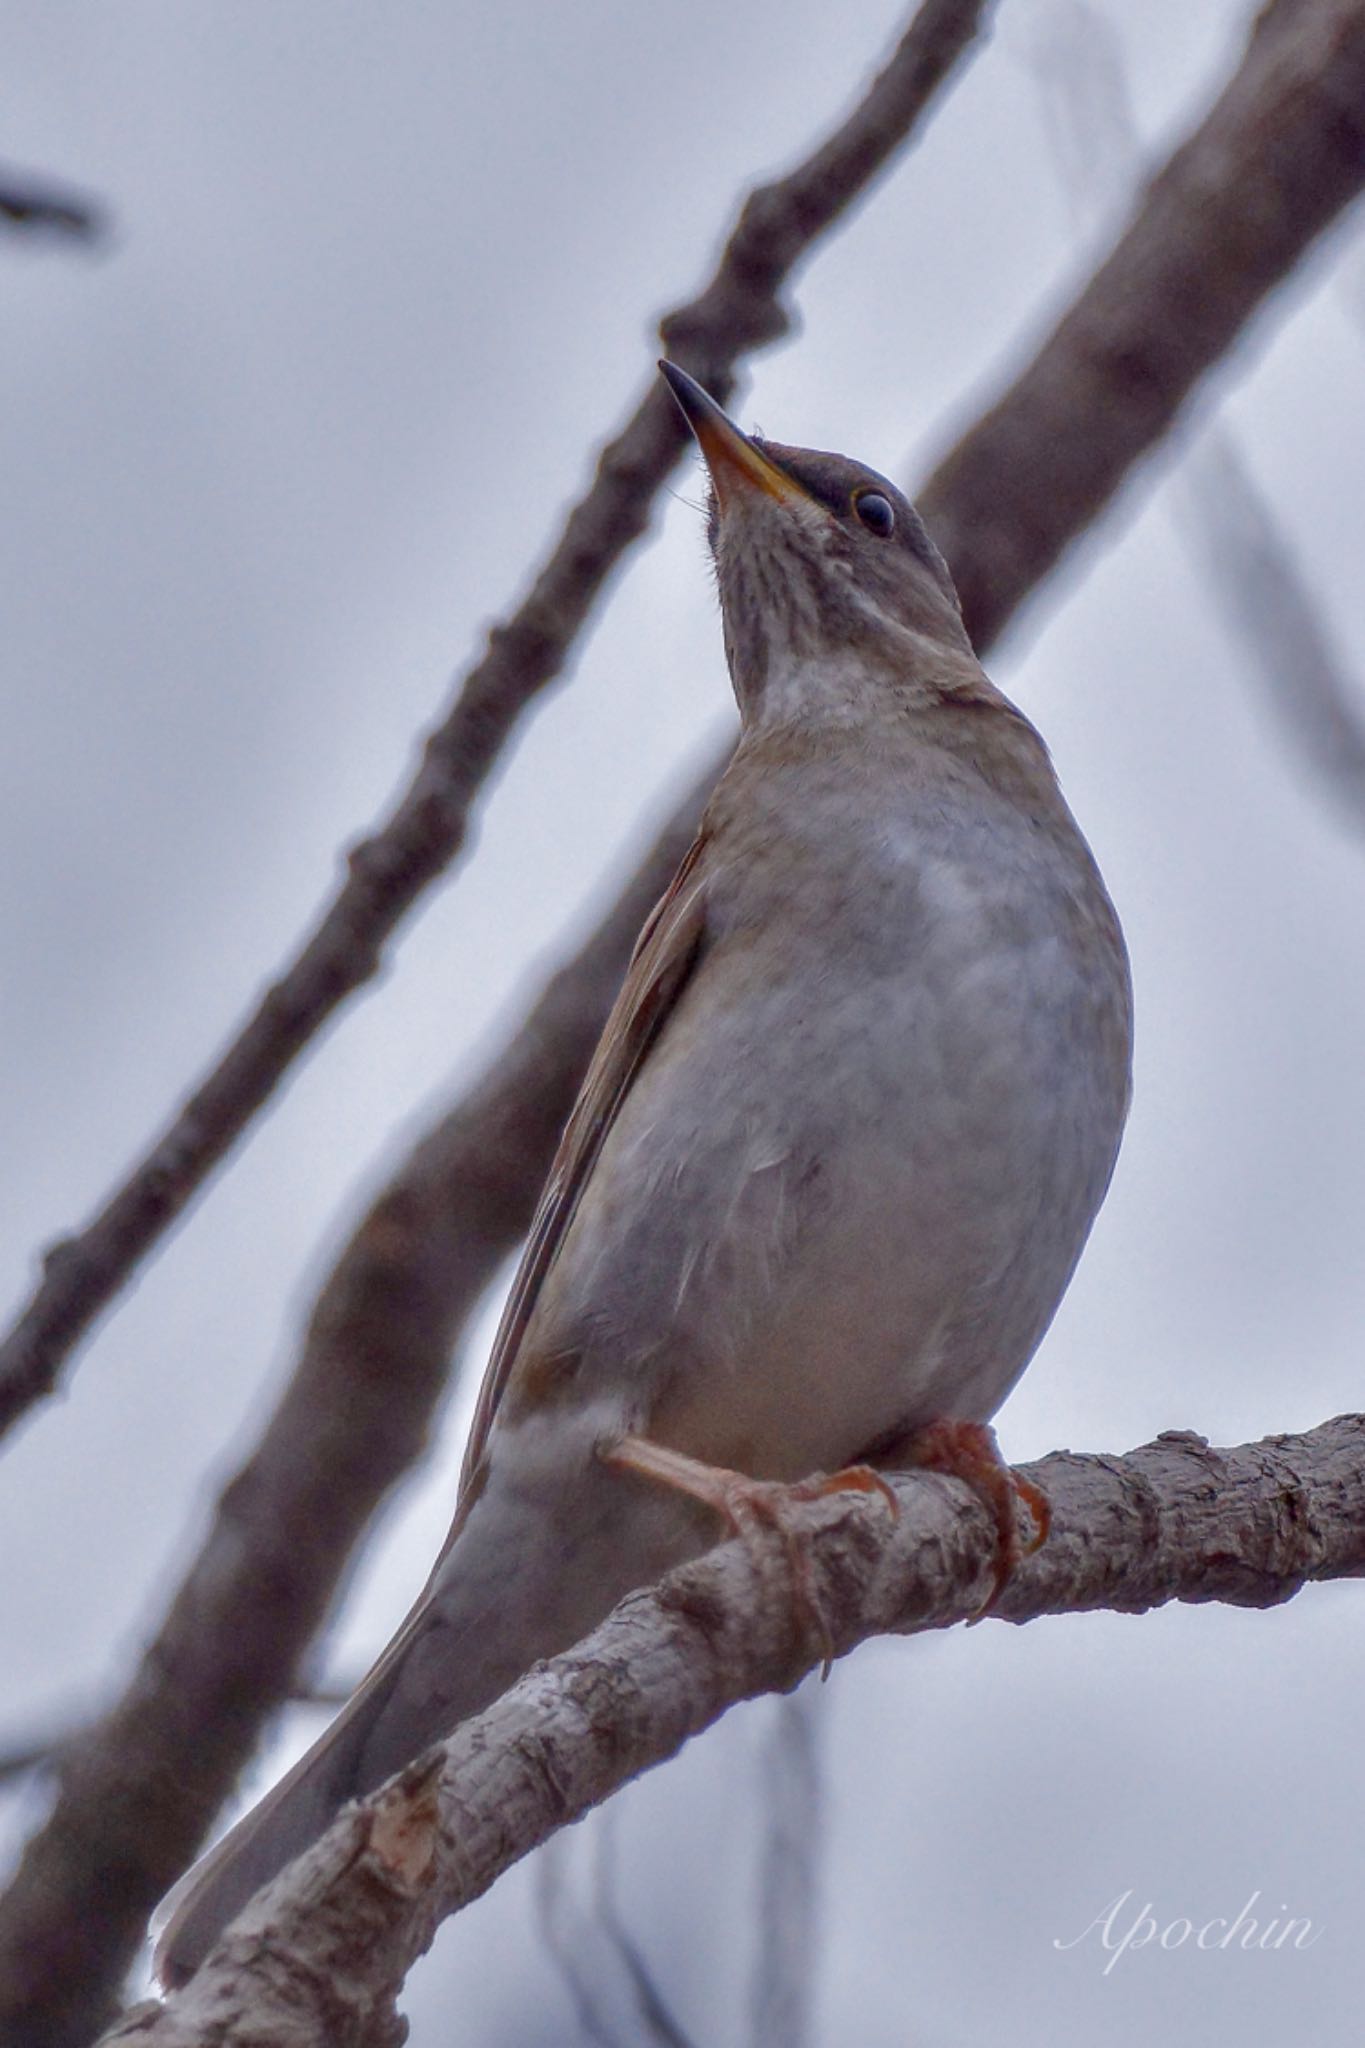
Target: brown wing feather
665	954
664	957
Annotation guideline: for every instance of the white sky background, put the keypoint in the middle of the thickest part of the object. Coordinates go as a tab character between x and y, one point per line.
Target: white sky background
381	279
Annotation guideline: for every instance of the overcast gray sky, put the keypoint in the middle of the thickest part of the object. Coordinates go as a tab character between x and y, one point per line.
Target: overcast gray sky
380	279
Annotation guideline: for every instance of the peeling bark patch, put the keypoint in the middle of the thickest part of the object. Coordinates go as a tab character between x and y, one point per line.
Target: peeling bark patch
403	1828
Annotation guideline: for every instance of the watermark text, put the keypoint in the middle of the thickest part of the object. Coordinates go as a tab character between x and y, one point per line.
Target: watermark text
1123	1928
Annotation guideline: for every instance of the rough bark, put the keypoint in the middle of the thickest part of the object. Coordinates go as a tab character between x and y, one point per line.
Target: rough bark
320	1956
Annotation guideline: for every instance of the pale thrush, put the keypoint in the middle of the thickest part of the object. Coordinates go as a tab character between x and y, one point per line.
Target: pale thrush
835	1158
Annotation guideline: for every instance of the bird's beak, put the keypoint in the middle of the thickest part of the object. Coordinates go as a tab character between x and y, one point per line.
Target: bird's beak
737	464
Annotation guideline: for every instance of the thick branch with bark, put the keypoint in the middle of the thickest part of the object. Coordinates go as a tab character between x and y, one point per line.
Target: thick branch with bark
137	1793
739	309
320	1956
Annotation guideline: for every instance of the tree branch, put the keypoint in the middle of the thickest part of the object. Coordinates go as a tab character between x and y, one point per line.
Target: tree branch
139	1790
615	1996
1220	225
738	310
320	1955
35	206
1282	629
782	1996
1253	574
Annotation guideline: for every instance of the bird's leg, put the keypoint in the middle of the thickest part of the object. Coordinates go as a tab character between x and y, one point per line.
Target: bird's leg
751	1506
969	1451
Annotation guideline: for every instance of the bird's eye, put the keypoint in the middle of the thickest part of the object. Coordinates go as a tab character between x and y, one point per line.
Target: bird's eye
877	513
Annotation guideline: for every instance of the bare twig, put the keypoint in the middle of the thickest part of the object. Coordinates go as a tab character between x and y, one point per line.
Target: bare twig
139	1790
655	2024
35	206
22	1757
46	1751
615	1994
128	1818
787	1916
1280	628
1087	107
1253	576
320	1955
739	309
1225	220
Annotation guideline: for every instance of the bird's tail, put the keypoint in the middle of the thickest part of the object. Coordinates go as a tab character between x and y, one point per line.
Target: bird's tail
281	1826
380	1728
521	1578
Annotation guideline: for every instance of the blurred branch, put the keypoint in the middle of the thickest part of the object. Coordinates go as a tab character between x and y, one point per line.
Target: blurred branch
136	1799
1276	620
45	1751
739	309
139	1790
787	1915
614	1992
34	207
23	1757
1252	573
1220	225
1076	58
320	1955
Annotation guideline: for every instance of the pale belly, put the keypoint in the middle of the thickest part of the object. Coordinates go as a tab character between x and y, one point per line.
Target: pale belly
820	1222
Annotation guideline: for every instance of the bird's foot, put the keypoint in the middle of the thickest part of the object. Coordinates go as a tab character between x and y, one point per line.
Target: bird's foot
969	1451
756	1509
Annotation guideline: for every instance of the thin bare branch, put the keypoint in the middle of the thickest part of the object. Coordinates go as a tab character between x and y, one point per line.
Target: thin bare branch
655	2026
36	206
1087	106
134	1803
1221	224
782	2003
138	1791
22	1757
615	1994
1256	581
1279	625
321	1954
740	309
46	1751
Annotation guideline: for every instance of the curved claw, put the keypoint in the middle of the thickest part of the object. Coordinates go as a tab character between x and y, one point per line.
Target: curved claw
1038	1505
969	1451
849	1479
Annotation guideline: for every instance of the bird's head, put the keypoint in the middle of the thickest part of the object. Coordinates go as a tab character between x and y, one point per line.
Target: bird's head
834	598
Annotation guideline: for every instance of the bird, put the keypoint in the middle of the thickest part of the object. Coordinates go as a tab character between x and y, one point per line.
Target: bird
834	1160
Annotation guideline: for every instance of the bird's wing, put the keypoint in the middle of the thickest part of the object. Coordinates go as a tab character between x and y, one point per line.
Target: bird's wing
301	1805
665	955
